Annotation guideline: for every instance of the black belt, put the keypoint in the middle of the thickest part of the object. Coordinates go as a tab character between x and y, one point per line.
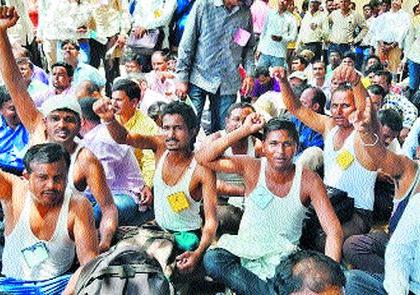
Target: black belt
313	43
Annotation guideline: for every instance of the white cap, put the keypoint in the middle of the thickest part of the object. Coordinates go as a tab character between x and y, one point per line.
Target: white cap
298	74
59	102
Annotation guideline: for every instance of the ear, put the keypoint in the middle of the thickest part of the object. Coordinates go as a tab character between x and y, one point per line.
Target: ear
315	107
25	174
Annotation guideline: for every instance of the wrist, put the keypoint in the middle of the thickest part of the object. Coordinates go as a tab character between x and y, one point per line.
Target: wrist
371	142
108	122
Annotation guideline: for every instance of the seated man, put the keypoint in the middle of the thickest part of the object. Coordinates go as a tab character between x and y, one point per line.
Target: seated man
277	194
230	186
314	99
45	225
121	168
26	68
14	138
342	169
160	79
264	83
60	122
180	185
308	272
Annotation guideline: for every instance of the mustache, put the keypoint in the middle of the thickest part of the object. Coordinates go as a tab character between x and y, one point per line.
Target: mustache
171	139
51	192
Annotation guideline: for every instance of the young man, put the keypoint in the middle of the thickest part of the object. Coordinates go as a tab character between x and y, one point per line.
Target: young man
60	122
179	184
45	225
277	194
342	169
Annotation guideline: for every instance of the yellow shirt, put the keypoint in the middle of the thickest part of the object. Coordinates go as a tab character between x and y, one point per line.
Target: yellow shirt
292	44
320	33
142	124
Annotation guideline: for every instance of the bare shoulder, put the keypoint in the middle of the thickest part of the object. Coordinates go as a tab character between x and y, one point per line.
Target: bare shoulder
85	156
79	204
311	182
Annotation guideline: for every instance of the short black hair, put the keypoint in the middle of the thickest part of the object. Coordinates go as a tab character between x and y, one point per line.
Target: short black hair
374	68
45	153
188	115
301	59
69	68
262	71
335	51
298	89
71	42
386	74
377	90
350	54
367	5
4	96
156	109
239	105
86	104
415	7
307	269
275	124
131	88
319	98
392	119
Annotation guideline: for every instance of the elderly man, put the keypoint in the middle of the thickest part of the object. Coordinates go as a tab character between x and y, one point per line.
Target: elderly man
60	122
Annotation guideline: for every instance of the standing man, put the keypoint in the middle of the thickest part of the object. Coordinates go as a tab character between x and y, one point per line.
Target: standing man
280	28
388	32
180	184
60	122
217	39
344	23
313	29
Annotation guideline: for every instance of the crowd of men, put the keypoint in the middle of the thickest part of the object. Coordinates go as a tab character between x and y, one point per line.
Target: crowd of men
299	175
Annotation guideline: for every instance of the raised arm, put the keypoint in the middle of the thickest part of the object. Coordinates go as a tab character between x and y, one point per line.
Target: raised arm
104	109
326	215
313	120
188	260
368	142
210	155
6	185
25	107
96	181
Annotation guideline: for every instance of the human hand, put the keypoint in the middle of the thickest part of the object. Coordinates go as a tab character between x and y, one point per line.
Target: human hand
347	74
104	109
146	196
8	17
138	32
248	85
121	39
254	122
187	261
181	90
279	73
403	134
365	121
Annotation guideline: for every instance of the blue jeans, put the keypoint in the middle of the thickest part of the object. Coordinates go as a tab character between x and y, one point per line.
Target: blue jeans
267	61
53	286
219	105
414	74
362	283
128	211
225	267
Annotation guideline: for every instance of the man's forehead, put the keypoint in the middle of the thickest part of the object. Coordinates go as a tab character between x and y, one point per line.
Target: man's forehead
173	119
64	113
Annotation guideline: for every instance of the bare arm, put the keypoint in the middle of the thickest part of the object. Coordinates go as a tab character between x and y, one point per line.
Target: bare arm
85	238
326	215
25	107
210	155
225	188
104	109
6	185
188	260
96	180
313	120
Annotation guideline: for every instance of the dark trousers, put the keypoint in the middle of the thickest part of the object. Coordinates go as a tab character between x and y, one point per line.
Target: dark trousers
315	47
366	252
112	67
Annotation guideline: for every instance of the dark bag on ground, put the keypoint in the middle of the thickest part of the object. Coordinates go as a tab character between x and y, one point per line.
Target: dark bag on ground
128	267
343	206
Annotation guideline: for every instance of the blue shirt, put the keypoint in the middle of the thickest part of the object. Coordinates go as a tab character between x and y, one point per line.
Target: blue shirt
208	56
307	137
13	145
85	72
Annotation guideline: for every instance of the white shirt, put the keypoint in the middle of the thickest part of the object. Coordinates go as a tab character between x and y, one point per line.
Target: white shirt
390	27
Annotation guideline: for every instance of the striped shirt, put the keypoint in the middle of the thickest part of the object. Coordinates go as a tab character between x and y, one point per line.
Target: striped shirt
208	56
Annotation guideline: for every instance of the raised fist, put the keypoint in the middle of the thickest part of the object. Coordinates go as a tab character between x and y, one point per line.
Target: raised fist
104	109
254	123
8	17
